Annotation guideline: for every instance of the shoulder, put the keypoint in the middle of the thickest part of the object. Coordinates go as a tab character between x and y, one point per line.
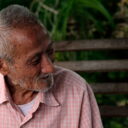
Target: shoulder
69	86
69	79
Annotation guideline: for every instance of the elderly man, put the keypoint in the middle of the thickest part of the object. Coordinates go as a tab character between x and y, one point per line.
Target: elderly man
34	93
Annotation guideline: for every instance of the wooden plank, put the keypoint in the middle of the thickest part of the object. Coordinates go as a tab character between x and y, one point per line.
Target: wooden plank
95	66
110	88
110	111
97	44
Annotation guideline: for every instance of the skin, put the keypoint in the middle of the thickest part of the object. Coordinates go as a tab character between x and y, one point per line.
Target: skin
33	68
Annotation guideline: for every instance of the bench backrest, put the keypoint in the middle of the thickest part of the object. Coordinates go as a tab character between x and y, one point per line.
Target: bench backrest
99	66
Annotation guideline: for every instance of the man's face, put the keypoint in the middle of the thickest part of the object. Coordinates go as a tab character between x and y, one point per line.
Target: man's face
32	68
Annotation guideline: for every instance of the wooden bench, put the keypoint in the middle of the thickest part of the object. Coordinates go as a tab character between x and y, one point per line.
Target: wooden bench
99	66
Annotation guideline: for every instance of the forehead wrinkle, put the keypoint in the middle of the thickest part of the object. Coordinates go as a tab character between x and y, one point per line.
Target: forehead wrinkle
40	50
32	42
21	36
30	33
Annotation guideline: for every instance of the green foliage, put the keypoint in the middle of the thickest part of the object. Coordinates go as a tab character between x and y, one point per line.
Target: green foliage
5	3
56	15
60	27
115	122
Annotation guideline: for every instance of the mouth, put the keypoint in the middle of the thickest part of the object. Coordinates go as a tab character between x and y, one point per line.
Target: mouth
45	76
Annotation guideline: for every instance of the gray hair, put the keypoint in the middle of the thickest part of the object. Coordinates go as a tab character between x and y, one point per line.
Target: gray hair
13	16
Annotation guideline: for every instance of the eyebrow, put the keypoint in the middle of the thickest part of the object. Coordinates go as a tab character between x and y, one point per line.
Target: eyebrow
38	54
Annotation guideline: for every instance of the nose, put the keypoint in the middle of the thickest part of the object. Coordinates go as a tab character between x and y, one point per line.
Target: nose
46	65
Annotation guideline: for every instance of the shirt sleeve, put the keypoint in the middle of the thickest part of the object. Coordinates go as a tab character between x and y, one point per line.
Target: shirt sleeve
90	115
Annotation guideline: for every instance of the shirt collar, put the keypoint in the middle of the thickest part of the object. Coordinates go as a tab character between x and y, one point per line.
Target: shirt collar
45	97
4	92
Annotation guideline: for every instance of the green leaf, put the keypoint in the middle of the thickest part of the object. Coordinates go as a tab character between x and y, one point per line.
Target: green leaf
96	5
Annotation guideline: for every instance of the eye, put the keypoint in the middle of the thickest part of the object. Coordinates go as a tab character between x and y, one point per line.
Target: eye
36	60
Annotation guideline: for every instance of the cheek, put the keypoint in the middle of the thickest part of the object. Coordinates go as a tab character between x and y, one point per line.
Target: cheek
20	72
31	72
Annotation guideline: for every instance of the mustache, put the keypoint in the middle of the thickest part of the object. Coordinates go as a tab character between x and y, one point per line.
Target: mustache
44	76
49	77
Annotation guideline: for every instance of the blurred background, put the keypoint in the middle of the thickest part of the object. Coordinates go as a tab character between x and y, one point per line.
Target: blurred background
87	19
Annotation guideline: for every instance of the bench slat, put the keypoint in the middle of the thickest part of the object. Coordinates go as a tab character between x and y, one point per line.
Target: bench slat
110	88
109	111
95	66
99	66
99	44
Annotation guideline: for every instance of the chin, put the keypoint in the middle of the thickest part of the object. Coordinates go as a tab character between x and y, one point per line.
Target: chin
37	85
43	86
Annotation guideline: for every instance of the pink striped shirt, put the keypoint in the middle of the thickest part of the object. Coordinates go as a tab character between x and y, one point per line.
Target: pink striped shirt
69	104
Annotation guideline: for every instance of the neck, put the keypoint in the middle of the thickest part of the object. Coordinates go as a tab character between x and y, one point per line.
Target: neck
19	95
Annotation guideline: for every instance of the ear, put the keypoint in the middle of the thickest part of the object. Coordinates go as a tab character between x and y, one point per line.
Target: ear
3	67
